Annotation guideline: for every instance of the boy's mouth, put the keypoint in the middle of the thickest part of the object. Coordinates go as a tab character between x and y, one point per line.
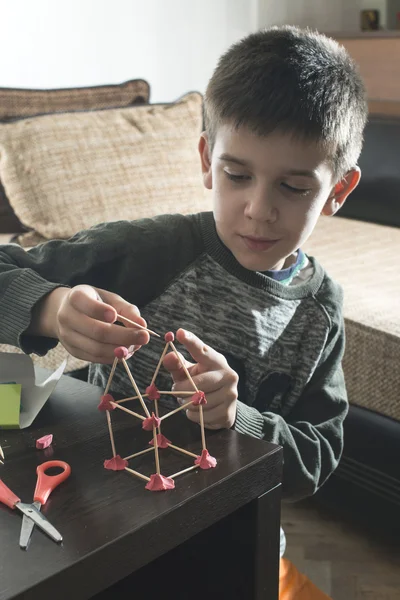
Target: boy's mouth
258	244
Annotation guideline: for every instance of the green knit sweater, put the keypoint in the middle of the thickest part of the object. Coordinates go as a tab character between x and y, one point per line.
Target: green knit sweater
285	342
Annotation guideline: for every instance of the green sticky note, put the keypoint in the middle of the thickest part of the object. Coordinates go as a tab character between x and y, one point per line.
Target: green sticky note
10	404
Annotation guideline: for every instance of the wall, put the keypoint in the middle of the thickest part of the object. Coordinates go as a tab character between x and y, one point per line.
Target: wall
324	15
174	44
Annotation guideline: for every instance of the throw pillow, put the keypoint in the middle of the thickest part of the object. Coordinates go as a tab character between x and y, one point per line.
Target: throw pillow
16	103
19	103
66	172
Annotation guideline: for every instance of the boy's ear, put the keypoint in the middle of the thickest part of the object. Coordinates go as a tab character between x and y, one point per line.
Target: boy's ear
205	157
340	192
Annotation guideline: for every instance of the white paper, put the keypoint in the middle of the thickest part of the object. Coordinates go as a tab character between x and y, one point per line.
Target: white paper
19	368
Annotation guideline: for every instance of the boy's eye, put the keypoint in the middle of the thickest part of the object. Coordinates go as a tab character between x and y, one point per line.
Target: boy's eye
295	190
237	178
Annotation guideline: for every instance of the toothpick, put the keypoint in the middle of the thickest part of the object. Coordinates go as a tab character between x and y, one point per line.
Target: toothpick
182	450
159	363
157	415
131	398
139	453
162	393
130	412
1	462
156	451
111	433
192	468
120	317
1	453
203	435
184	366
111	375
169	414
133	382
137	474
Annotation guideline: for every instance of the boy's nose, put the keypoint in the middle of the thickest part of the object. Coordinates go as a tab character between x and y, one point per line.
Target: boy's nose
260	207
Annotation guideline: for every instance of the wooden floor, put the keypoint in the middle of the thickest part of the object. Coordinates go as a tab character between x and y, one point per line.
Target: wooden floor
344	560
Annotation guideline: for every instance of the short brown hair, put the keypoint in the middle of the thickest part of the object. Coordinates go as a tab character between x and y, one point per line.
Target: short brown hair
295	81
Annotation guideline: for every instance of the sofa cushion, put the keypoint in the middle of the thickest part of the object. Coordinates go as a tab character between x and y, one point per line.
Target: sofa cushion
20	103
17	103
363	258
377	197
66	172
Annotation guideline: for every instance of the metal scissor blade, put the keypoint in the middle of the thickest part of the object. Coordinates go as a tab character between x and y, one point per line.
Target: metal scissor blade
40	520
27	527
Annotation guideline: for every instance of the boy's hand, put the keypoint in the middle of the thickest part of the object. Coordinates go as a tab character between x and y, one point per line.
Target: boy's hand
211	374
82	319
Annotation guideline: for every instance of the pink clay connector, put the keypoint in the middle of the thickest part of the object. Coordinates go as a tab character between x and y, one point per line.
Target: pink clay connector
44	442
159	483
121	352
116	463
152	392
151	422
105	403
205	461
199	398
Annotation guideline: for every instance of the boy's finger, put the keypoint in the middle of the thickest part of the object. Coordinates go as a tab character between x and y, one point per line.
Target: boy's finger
85	300
200	352
122	307
87	349
100	332
172	363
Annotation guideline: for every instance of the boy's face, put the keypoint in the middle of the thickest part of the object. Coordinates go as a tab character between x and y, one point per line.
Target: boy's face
268	193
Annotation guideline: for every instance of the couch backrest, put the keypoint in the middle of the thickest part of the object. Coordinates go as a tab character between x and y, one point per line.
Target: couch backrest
377	197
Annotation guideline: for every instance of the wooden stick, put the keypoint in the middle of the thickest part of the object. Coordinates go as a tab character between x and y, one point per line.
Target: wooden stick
192	468
131	398
177	393
156	451
138	453
159	363
157	415
184	366
121	318
133	382
111	375
182	450
203	435
1	462
1	453
111	433
130	412
137	474
176	410
161	392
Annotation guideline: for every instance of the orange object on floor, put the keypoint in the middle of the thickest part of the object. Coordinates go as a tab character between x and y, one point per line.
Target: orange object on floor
293	585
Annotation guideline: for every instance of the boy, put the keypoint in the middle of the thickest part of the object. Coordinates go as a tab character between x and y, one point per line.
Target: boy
284	111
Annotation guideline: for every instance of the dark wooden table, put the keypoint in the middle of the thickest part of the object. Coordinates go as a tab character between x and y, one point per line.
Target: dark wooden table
215	536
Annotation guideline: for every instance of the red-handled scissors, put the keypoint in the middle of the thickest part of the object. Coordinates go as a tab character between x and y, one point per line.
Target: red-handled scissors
44	486
32	512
